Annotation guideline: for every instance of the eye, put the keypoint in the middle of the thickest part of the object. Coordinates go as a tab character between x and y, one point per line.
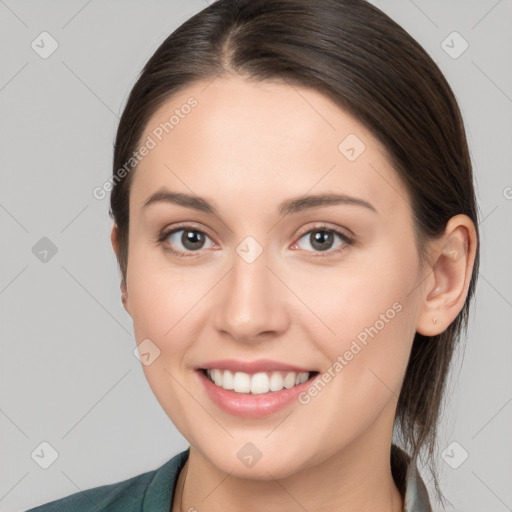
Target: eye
187	239
321	240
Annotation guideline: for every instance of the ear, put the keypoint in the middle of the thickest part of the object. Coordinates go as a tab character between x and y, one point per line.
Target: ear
450	273
114	238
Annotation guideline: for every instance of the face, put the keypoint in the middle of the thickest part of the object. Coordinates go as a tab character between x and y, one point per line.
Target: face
328	288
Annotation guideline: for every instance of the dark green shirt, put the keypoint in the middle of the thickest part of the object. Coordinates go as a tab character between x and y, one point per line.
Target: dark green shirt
153	491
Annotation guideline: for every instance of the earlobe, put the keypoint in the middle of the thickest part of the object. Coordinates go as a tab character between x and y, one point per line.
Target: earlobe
451	272
124	296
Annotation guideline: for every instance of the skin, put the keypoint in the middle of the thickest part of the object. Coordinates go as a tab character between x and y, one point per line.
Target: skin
247	147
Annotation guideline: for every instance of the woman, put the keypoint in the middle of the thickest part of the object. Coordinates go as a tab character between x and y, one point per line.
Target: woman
259	131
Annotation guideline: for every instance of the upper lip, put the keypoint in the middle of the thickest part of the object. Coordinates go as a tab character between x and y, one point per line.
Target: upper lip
261	365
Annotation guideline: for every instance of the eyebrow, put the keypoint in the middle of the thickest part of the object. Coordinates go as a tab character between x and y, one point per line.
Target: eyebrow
289	206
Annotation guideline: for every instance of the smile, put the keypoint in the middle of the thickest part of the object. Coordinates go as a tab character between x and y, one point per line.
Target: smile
256	383
243	401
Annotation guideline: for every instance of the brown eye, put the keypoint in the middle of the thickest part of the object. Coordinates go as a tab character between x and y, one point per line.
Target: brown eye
185	240
323	240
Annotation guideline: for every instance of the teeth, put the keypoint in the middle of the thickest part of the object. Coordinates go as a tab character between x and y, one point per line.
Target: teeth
257	383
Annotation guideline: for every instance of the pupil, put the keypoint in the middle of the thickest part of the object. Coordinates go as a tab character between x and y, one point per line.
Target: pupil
320	238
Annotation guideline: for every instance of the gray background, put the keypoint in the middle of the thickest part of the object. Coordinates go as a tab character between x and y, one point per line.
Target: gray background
68	375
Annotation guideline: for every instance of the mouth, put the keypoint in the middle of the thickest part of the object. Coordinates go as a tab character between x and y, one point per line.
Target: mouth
258	383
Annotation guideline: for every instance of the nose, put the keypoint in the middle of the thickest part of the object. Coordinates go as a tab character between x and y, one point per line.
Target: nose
252	302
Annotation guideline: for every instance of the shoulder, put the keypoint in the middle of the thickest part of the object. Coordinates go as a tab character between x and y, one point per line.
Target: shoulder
150	491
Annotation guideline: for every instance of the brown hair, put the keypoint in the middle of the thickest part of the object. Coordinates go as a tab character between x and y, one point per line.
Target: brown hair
372	68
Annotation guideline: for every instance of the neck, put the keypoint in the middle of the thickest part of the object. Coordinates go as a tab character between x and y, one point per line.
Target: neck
356	478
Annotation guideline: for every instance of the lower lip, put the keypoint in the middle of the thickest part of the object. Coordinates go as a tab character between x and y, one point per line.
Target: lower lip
249	405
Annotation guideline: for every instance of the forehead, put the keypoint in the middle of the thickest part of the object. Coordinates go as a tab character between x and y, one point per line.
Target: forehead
262	137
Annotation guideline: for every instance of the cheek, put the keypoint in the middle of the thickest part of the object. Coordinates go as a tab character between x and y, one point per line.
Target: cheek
161	295
162	308
370	314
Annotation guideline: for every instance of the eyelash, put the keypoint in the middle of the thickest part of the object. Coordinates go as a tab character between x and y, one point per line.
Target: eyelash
348	241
